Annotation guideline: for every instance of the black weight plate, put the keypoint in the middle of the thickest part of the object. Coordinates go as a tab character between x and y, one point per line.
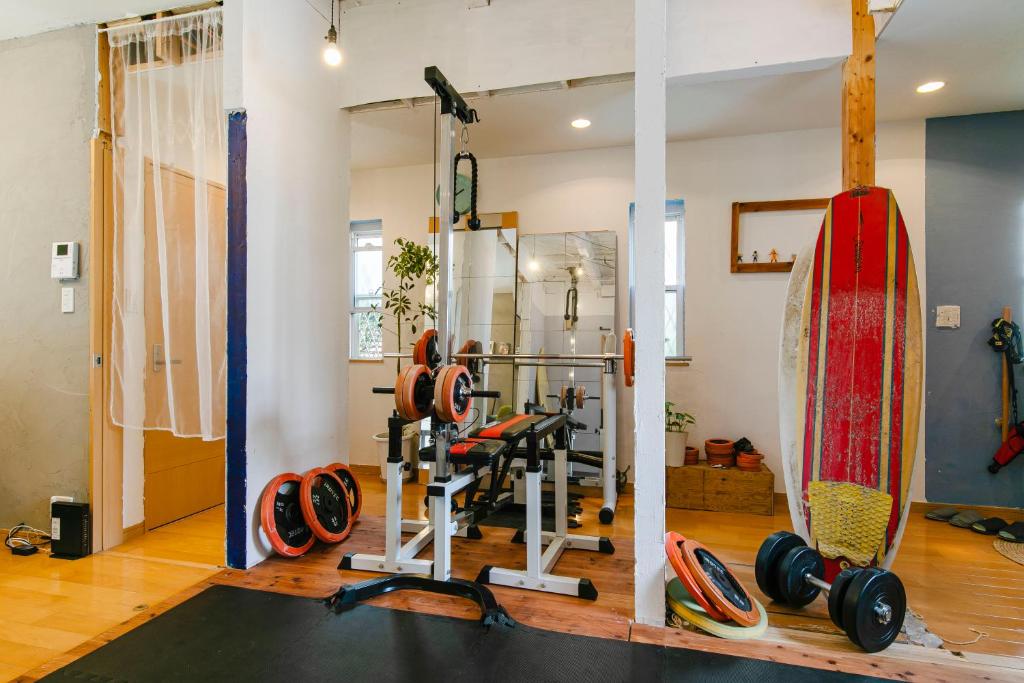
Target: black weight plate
723	579
867	590
291	525
769	556
329	504
794	590
835	595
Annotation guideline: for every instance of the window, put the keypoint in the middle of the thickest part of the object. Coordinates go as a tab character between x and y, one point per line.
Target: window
675	278
675	275
367	282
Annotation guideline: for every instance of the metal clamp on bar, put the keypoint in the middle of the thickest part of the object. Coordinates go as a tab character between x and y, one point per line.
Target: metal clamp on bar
451	100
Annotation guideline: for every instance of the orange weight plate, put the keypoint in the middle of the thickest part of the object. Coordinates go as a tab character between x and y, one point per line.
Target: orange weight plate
325	505
581	396
451	399
281	516
406	385
629	357
719	584
425	346
351	482
673	549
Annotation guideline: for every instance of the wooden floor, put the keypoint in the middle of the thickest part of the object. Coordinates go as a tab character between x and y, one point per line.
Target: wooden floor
51	606
954	579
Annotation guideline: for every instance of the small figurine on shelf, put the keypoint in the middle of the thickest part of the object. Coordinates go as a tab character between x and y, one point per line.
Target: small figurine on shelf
739	258
773	256
754	259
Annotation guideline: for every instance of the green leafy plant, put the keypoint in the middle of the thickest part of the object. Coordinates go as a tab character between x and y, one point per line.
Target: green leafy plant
413	266
676	422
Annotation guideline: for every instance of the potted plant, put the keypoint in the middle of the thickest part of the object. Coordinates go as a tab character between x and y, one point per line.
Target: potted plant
676	424
414	266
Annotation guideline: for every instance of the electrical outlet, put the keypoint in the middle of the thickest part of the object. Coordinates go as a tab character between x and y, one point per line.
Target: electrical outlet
947	316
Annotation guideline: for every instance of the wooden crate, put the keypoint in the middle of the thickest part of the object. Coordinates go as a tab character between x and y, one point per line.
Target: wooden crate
702	487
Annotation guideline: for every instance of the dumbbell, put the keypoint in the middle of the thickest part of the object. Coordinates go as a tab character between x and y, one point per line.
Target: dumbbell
867	603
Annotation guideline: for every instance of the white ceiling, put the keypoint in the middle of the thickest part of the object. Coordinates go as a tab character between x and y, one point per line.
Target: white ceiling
977	47
27	17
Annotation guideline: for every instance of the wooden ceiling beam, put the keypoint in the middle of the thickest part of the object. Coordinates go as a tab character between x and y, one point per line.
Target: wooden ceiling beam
859	101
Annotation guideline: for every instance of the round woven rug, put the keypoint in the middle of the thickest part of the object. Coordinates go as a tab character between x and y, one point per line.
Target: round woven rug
1013	551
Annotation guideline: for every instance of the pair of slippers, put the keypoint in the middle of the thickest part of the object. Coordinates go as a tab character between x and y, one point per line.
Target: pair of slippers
969	519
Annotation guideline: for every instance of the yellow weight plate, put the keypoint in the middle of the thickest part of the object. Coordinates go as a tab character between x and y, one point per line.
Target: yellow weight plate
683	604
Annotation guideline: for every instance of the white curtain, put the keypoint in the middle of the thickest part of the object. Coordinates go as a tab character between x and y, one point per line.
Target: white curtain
168	357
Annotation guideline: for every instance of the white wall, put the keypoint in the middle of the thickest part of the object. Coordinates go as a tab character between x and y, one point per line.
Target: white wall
732	321
297	243
520	42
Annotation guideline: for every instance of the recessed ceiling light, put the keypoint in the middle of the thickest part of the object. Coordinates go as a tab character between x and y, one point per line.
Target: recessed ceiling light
930	86
581	123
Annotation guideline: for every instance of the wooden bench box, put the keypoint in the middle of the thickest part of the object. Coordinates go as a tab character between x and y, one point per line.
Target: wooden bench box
702	487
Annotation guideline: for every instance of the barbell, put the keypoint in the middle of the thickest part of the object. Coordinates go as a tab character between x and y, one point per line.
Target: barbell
446	391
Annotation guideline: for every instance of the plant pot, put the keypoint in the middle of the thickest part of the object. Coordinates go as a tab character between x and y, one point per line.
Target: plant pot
692	456
720	447
675	448
410	450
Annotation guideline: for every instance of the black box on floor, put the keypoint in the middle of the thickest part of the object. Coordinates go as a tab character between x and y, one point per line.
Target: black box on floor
70	535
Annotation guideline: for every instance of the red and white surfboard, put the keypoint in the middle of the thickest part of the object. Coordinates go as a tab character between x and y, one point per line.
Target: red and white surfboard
851	360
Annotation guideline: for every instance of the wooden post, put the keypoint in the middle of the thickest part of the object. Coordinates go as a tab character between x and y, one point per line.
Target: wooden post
649	321
1005	423
859	101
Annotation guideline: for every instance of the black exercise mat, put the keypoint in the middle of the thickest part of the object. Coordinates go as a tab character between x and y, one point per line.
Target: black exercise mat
234	634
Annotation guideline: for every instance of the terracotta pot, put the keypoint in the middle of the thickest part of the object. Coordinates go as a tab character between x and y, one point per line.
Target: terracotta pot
692	456
719	447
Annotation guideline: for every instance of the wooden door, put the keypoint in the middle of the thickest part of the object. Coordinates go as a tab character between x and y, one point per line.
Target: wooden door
182	475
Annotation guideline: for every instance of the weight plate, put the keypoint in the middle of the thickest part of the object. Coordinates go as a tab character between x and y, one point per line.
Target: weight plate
581	396
769	556
798	562
452	388
281	516
425	350
412	395
325	505
563	393
629	356
873	609
348	478
683	604
836	593
673	549
472	364
719	584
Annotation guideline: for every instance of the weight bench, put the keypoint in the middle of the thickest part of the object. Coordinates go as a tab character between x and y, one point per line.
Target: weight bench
473	459
534	429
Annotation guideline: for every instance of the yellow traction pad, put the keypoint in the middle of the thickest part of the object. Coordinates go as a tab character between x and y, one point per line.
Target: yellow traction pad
849	520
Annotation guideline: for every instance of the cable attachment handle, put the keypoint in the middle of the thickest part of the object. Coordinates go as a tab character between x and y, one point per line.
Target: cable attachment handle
474	220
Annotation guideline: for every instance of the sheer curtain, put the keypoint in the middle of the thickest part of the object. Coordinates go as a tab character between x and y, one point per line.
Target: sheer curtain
168	358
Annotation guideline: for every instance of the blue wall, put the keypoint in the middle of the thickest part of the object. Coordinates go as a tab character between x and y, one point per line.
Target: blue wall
975	258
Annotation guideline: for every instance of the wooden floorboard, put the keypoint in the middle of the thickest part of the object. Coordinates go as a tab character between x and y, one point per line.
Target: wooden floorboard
954	579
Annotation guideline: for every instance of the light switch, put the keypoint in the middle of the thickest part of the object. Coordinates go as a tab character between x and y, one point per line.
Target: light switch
67	300
947	316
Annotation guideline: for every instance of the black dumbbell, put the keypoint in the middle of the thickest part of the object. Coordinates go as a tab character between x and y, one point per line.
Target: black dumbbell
868	603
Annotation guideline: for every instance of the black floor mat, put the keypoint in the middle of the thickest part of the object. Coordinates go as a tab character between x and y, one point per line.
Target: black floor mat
234	634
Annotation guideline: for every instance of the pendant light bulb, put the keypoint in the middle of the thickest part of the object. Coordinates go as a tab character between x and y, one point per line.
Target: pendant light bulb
332	55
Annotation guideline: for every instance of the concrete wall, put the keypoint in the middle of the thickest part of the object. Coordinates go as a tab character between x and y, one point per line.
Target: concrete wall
47	118
732	321
975	204
297	179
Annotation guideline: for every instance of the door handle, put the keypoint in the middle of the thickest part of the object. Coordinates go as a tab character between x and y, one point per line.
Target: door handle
158	358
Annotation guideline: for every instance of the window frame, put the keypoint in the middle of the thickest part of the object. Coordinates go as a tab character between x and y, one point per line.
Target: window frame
357	229
674	213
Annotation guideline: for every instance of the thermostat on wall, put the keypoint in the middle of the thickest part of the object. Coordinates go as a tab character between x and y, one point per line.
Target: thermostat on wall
64	261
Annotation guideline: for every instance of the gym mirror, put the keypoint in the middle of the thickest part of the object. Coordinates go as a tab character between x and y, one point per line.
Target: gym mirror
483	298
565	304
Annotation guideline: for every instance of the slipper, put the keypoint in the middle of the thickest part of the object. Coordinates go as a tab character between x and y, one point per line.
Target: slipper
941	514
965	519
988	526
1013	533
